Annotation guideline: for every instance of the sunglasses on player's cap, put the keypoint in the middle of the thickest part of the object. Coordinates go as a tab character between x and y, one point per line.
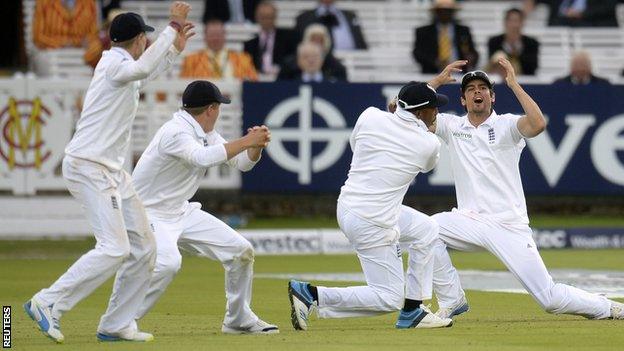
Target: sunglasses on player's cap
419	95
473	75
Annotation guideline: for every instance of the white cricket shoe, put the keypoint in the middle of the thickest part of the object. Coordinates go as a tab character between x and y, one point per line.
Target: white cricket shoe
129	334
42	315
260	327
617	310
457	309
421	318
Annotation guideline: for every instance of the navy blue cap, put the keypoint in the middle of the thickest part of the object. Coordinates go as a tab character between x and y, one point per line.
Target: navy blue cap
126	26
202	93
420	95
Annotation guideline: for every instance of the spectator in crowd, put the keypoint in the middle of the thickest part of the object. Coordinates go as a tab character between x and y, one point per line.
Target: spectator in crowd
343	25
578	13
232	11
60	24
331	67
108	5
309	65
522	51
444	41
581	71
269	47
216	61
96	46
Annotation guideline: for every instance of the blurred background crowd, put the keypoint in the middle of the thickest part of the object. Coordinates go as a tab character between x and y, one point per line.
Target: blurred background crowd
330	40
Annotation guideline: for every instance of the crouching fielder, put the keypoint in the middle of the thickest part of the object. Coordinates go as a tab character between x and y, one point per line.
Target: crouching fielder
389	150
168	175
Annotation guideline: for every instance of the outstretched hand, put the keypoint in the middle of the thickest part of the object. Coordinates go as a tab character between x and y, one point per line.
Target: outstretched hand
446	76
178	12
510	73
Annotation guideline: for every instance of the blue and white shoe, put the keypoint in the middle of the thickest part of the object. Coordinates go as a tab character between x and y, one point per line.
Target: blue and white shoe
457	309
421	318
129	334
42	315
301	304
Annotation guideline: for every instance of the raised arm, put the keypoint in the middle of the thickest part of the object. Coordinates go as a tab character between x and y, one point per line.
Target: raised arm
533	122
446	76
155	53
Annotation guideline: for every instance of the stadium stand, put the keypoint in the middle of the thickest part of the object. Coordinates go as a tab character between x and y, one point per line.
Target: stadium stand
389	30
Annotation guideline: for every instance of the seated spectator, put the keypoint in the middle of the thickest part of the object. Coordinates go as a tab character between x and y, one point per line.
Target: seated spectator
331	67
344	25
309	65
444	41
269	48
96	46
521	50
217	62
578	13
232	11
60	24
581	71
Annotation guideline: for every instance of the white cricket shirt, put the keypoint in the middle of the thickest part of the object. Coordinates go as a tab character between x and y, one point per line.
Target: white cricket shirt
170	170
110	104
389	150
485	165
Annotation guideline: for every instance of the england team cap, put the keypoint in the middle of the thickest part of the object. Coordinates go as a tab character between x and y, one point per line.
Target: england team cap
202	93
419	95
126	26
473	75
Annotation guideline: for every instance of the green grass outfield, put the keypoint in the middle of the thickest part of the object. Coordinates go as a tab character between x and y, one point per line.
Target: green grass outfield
189	315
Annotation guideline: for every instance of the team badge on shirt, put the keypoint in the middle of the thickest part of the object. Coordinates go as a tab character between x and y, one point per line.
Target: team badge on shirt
205	142
491	136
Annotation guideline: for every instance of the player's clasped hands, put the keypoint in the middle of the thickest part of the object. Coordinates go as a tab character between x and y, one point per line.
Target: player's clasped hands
259	136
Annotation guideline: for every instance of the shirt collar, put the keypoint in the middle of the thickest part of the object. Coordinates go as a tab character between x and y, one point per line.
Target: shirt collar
122	52
409	117
192	122
488	122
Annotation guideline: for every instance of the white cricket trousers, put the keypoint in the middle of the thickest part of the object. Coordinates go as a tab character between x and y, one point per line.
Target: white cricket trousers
514	246
379	252
125	244
202	234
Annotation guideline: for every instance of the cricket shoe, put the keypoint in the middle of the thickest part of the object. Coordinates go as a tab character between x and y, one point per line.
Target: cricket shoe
301	304
128	334
617	310
459	308
421	318
260	327
42	315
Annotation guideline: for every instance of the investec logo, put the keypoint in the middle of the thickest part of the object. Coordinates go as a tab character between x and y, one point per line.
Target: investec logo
22	143
305	106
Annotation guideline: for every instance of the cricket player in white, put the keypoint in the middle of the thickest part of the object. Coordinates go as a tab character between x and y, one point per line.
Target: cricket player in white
169	173
92	169
389	150
491	211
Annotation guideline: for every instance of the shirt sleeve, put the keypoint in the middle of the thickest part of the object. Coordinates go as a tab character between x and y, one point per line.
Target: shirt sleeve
442	122
512	125
184	146
164	64
434	155
142	68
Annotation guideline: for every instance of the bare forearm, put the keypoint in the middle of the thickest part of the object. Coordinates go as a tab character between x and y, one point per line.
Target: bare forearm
237	146
534	116
254	153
